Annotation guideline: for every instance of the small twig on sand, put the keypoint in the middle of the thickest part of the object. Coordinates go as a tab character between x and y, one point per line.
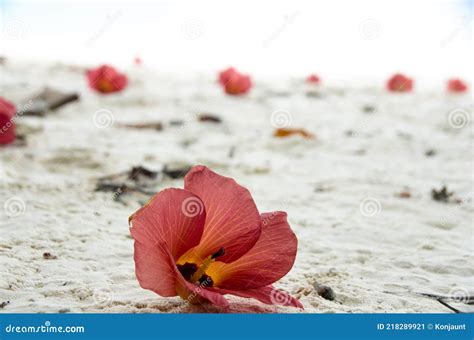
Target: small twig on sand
469	300
158	126
120	188
448	306
132	174
140	170
207	117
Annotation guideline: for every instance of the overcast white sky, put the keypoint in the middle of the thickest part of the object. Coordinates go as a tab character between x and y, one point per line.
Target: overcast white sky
428	39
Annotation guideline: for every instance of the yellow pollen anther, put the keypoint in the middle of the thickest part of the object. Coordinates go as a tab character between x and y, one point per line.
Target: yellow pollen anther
205	264
202	269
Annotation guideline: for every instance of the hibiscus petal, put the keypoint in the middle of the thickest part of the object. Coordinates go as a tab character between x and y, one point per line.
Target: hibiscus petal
173	217
267	294
193	291
269	260
213	297
232	222
153	270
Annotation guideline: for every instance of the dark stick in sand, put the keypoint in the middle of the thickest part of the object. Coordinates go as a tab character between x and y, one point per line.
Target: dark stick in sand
141	170
157	126
132	174
47	100
207	117
469	300
448	306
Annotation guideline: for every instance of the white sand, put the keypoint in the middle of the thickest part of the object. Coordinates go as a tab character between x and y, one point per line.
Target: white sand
374	263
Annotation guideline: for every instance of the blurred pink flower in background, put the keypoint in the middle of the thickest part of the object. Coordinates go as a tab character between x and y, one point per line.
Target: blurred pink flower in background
225	75
7	124
456	86
106	79
234	82
313	79
137	61
400	83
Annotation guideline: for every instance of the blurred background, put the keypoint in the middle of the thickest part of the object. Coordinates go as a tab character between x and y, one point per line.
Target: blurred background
430	40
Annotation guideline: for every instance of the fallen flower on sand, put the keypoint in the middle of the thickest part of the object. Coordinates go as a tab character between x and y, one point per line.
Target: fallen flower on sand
106	79
208	240
313	79
456	86
226	74
288	132
400	83
7	122
234	82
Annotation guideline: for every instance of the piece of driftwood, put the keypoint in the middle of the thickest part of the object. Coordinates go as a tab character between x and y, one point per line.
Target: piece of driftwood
133	174
136	180
47	100
207	117
138	171
118	189
175	171
157	126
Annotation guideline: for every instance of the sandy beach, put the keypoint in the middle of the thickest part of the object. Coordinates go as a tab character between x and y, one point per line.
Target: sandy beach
379	252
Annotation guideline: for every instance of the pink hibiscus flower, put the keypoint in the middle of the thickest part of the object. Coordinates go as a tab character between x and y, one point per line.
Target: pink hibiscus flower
313	79
7	123
234	82
238	85
226	75
106	79
456	86
400	83
209	240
